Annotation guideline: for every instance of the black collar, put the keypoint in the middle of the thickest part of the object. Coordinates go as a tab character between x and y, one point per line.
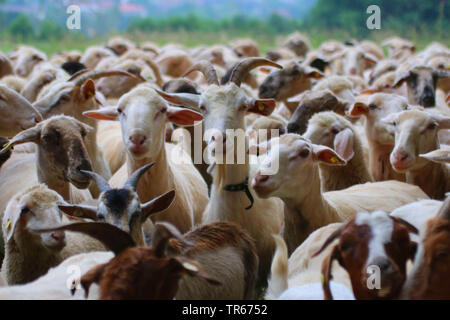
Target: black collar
243	186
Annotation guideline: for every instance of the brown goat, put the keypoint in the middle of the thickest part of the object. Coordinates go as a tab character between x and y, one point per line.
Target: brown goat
216	251
429	278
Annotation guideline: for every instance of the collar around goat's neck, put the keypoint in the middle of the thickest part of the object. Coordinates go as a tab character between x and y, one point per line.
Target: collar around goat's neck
243	186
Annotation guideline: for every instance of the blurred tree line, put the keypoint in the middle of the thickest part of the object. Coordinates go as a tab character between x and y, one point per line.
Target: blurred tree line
397	15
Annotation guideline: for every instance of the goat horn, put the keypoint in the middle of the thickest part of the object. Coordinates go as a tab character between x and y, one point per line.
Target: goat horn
156	71
133	180
81	76
207	69
101	182
244	67
444	211
112	237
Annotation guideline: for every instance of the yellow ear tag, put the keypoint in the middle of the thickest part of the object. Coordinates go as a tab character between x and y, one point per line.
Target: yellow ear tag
260	107
322	278
334	160
190	267
8	224
7	146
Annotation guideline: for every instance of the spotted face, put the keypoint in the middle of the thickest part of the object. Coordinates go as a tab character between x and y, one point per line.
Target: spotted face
374	249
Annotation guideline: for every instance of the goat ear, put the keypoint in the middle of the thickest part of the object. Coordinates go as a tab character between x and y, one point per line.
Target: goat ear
11	222
443	121
406	224
163	233
263	107
357	109
181	99
400	78
327	275
183	116
158	204
105	113
193	268
343	144
327	156
88	89
313	73
439	156
369	91
79	211
29	135
370	58
92	276
440	73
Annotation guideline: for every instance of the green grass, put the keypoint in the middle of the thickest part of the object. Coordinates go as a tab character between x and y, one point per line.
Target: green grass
196	38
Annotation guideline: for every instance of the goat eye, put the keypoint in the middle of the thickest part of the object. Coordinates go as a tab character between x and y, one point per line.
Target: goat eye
432	126
25	210
304	153
334	131
164	110
373	107
119	110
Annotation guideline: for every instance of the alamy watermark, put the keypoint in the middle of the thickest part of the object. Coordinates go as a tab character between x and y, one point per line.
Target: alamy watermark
73	22
374	20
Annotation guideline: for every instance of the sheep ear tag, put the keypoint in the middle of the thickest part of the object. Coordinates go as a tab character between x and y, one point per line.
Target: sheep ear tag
6	147
8	224
263	107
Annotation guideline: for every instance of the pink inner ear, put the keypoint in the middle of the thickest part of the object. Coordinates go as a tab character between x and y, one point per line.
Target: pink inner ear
263	107
357	109
183	117
328	156
343	144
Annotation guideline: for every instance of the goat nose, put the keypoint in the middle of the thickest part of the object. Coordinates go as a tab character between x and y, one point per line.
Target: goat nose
138	139
384	264
58	236
261	178
85	165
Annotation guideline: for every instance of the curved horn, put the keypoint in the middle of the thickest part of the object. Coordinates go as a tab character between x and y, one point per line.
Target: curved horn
444	211
134	178
101	182
156	71
112	237
244	67
81	76
207	69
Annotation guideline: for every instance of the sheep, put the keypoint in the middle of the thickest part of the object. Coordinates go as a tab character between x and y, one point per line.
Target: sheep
16	113
73	97
144	141
288	82
54	285
25	59
27	255
231	197
382	67
429	277
379	134
340	86
421	83
372	48
93	56
216	251
120	45
312	102
297	183
416	133
334	131
6	67
58	161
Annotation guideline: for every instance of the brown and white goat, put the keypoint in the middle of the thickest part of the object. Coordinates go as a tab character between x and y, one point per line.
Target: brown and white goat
374	249
219	253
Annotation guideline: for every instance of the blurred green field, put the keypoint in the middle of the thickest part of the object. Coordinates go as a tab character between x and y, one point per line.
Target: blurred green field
196	38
